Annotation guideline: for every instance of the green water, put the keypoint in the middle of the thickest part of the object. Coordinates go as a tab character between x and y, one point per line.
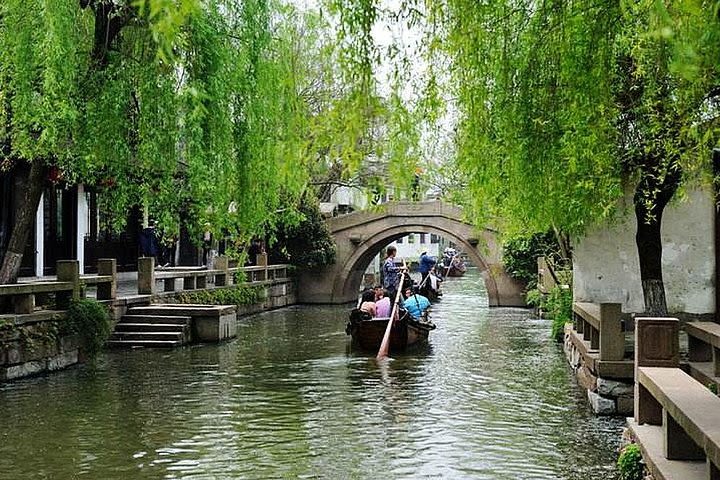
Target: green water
490	398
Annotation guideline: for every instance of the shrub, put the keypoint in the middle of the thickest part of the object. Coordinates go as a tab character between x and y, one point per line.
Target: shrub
233	295
630	463
557	305
91	321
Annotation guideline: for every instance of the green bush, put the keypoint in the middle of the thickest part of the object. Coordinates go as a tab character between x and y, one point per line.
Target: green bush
89	319
520	255
630	463
557	305
233	295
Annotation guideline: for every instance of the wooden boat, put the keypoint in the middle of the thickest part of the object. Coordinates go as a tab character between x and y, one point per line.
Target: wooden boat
457	269
367	332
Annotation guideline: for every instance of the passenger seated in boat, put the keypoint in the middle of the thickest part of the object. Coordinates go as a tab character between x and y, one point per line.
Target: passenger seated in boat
415	303
383	304
368	302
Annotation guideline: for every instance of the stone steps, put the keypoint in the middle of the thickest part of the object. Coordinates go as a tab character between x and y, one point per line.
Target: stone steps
144	343
150	327
151	330
155	319
153	336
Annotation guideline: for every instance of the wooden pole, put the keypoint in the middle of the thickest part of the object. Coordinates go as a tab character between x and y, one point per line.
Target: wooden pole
385	344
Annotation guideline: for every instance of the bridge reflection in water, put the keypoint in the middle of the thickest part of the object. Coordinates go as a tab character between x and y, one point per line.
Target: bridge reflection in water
490	398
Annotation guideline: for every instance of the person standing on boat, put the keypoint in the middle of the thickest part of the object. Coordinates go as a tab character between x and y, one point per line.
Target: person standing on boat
415	303
426	264
391	272
383	305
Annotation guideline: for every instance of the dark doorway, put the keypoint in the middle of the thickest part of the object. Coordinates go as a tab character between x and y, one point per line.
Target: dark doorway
60	222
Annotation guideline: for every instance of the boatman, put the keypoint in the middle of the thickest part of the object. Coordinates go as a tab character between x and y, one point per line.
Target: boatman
391	273
426	264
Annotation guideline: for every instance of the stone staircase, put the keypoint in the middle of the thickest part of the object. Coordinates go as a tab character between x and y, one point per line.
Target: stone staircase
136	329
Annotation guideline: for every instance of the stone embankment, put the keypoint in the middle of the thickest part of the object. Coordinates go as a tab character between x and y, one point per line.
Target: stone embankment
34	337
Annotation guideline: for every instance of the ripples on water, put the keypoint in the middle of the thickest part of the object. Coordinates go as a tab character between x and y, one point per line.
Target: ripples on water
489	398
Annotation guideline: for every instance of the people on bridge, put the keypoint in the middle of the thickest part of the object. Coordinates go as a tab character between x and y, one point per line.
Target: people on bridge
414	303
391	272
383	304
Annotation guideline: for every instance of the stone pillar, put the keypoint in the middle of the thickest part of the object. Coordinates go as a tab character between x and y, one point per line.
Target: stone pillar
612	338
221	263
146	275
68	271
657	344
262	261
107	291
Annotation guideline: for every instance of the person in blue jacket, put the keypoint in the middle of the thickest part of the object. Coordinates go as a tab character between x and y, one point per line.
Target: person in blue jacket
415	303
426	264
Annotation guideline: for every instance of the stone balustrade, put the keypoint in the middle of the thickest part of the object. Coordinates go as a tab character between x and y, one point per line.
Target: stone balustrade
194	278
677	419
68	286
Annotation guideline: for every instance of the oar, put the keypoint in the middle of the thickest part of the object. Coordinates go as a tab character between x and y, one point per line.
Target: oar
450	264
385	344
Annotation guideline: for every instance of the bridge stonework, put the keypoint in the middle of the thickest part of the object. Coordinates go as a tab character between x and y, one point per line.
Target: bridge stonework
360	236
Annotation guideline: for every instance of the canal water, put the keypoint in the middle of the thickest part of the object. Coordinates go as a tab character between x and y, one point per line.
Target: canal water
489	398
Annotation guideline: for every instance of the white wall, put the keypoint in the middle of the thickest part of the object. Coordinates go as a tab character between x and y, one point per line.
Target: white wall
606	268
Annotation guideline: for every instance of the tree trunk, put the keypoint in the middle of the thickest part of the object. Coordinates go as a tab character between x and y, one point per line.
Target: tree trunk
648	236
24	220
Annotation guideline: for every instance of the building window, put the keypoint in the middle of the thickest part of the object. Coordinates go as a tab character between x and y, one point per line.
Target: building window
411	238
434	238
399	240
422	238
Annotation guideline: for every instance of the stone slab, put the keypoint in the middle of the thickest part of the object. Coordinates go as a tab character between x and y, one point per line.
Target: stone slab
693	406
650	440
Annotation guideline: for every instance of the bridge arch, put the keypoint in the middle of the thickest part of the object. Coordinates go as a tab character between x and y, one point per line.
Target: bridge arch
360	236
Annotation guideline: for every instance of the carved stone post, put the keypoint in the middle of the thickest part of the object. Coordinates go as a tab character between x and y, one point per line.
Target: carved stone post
107	291
68	271
657	344
146	275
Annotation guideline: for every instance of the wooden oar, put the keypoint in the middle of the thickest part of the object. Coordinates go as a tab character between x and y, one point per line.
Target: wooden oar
450	264
385	344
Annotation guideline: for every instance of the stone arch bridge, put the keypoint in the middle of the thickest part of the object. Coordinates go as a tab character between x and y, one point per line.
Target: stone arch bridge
360	236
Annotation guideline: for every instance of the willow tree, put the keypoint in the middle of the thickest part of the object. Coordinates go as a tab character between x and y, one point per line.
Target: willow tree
563	103
177	105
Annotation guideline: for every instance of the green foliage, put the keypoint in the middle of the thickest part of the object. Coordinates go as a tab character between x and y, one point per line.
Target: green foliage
233	295
89	319
713	387
556	305
520	255
630	463
305	243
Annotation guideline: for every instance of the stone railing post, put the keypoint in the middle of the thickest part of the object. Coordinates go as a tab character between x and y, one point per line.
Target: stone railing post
262	261
612	338
67	271
657	344
107	291
146	275
222	263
